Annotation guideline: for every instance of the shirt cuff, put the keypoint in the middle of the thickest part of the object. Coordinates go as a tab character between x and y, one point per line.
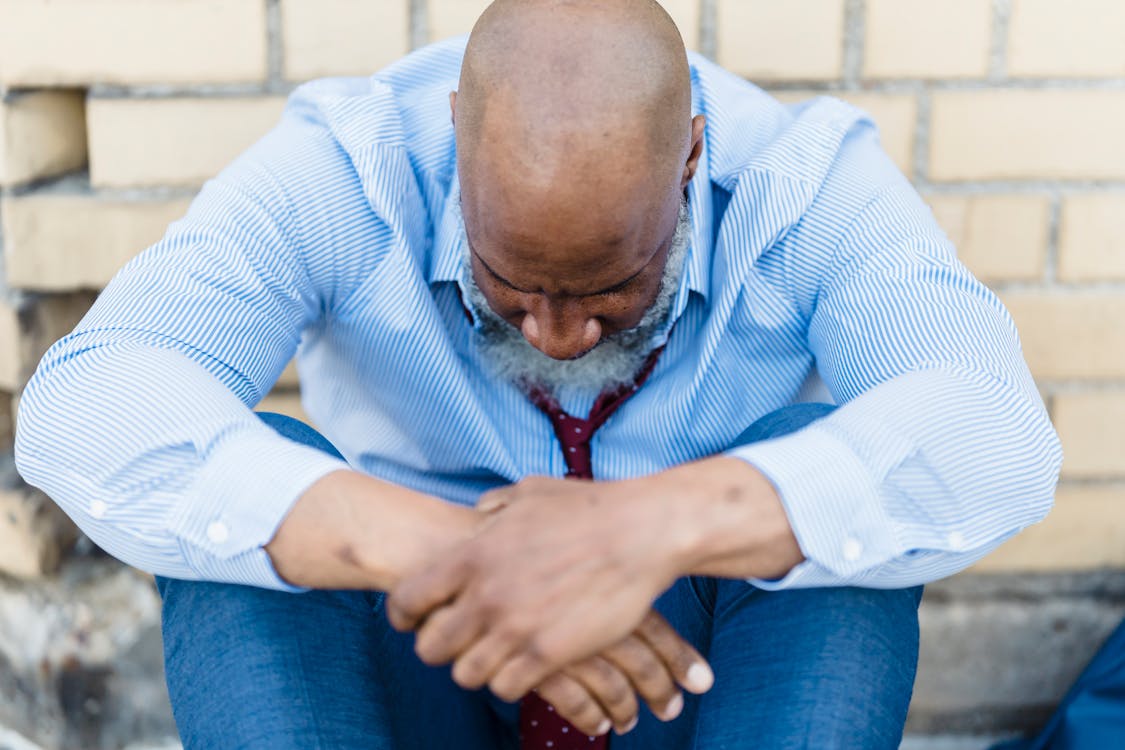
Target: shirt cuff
833	505
245	488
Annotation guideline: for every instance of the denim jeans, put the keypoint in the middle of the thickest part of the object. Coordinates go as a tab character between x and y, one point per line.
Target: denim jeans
816	668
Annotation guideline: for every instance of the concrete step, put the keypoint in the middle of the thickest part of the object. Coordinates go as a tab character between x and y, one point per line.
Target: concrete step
81	662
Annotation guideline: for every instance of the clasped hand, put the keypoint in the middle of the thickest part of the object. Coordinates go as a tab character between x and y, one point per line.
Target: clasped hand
553	592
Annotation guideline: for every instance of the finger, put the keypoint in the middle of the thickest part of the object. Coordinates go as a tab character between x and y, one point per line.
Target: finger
520	673
445	634
574	703
480	662
610	688
414	598
688	667
648	675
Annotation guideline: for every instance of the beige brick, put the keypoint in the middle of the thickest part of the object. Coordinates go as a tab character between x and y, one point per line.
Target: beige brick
686	15
289	380
452	17
1092	237
284	401
343	37
41	134
1072	38
64	242
1091	427
1071	335
1084	531
78	42
927	39
10	355
7	421
795	40
183	142
26	335
34	533
895	114
999	237
1013	134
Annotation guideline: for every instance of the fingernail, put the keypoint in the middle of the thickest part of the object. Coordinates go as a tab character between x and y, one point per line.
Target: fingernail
672	710
631	725
700	678
604	727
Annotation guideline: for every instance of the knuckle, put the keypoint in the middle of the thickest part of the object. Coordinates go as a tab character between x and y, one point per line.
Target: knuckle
647	671
538	652
617	696
467	672
575	704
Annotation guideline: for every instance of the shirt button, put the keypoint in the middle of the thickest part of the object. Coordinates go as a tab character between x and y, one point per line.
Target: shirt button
956	540
98	508
218	532
852	550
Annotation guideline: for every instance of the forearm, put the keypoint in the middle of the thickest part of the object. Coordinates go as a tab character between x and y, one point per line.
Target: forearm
352	531
890	490
728	521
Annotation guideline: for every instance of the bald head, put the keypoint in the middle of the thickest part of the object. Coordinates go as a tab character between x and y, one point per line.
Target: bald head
575	141
574	76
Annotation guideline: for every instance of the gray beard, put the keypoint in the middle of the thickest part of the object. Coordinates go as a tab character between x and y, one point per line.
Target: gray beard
615	360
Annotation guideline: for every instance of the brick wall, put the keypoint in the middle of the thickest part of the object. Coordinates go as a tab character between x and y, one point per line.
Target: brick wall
1007	114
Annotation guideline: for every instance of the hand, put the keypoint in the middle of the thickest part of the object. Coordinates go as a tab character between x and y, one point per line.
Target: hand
602	691
568	570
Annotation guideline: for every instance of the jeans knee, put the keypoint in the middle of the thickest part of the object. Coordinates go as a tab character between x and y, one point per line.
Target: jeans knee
298	431
783	421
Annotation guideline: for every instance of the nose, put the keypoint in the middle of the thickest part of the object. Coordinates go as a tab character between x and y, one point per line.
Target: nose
561	331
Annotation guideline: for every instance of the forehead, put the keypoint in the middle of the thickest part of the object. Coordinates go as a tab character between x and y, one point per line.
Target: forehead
568	244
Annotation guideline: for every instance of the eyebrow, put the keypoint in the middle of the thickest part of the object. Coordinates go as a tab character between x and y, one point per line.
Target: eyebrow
608	290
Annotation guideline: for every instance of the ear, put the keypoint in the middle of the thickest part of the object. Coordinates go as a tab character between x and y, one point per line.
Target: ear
698	123
453	107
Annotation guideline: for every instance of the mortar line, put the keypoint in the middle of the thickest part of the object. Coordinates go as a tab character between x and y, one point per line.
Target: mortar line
709	29
419	24
920	173
998	50
1051	265
855	32
888	86
275	48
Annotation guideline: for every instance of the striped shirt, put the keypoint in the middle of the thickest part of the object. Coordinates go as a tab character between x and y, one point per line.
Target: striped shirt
336	238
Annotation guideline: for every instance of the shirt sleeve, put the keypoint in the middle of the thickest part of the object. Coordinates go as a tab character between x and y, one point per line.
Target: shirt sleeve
139	423
941	448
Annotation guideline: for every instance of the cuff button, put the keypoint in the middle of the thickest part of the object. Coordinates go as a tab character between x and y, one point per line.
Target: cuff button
217	532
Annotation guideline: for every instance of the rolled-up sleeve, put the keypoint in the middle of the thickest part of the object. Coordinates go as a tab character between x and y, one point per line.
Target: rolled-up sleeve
139	423
941	448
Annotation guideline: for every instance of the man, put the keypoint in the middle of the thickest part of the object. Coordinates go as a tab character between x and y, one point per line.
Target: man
609	264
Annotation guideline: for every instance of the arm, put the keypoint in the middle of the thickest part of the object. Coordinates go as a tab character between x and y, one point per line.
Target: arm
139	423
350	530
941	450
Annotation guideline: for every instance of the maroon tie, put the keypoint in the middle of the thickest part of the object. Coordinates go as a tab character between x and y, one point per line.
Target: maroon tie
540	726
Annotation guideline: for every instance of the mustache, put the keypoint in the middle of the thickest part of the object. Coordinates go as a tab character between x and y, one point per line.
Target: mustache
615	359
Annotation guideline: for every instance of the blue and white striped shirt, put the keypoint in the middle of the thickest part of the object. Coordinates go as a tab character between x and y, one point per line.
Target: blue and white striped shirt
337	237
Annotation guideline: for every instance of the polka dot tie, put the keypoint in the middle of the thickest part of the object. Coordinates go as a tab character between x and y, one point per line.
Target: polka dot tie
540	726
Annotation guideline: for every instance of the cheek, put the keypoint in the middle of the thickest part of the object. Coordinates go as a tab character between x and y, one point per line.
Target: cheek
622	313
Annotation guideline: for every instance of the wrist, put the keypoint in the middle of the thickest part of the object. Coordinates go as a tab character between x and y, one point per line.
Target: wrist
726	519
352	531
407	532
